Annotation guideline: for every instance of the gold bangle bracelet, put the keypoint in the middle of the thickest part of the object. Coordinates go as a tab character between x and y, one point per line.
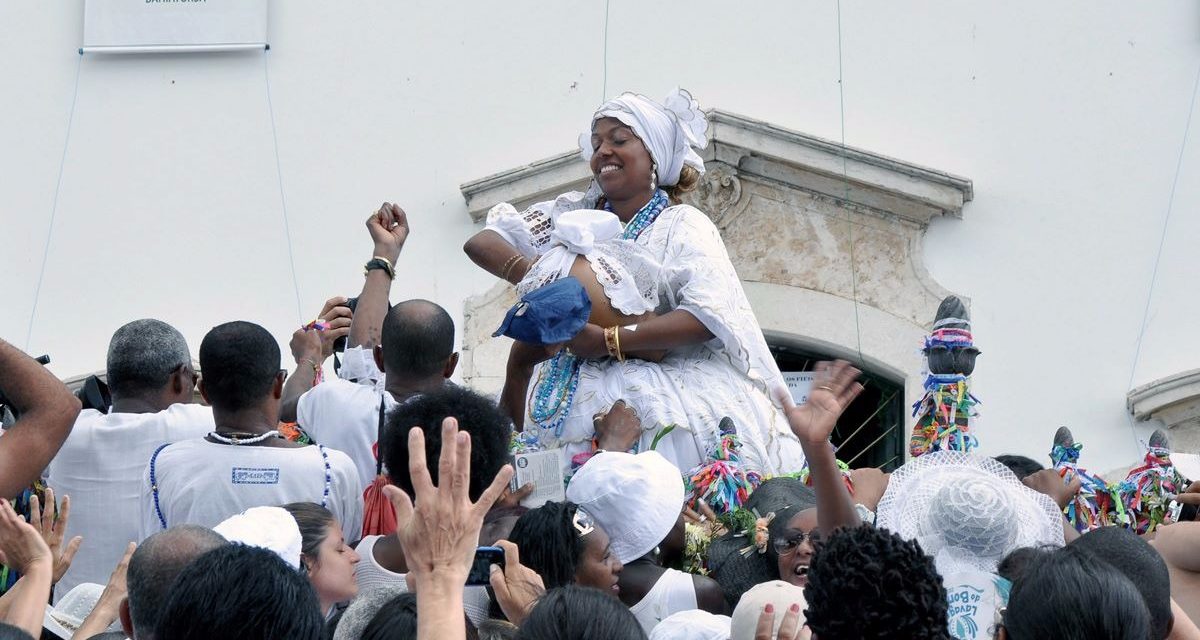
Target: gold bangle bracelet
508	266
610	342
617	339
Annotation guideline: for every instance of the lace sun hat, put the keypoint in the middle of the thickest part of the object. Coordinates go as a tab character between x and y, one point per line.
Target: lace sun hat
967	510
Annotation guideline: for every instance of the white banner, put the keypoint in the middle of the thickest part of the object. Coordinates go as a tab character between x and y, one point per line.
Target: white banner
134	26
800	384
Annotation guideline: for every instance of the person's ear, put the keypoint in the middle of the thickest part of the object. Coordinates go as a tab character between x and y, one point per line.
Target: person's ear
126	618
1001	632
451	365
179	379
277	388
203	392
377	351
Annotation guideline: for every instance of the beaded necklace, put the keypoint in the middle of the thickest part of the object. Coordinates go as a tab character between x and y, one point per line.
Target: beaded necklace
235	440
558	379
645	216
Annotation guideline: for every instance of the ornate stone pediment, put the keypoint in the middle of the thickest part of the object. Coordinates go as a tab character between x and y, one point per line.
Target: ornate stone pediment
1174	401
827	240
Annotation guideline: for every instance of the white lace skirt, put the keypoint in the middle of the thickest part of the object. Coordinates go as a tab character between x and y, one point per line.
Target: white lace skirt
692	389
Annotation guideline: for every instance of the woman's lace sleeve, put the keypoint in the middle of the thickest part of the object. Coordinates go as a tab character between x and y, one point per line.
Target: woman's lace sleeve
529	230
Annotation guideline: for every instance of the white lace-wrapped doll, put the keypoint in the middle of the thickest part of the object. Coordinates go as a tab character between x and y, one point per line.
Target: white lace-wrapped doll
620	276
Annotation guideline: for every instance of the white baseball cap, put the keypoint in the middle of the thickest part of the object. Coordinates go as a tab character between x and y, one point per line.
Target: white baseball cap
636	499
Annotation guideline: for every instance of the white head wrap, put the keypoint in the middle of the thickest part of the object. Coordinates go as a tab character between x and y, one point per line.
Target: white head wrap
271	528
671	131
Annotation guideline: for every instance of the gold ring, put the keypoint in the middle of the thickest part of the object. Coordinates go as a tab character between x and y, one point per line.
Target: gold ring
826	387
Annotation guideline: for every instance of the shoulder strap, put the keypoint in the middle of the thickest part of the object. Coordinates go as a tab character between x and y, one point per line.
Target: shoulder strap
379	438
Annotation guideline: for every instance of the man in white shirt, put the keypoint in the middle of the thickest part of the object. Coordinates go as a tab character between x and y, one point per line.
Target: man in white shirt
244	462
150	377
412	345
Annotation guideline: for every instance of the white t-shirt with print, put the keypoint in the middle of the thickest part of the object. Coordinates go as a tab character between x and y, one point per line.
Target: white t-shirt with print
100	466
201	482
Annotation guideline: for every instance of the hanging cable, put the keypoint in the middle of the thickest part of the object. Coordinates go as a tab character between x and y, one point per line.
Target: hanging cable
846	194
287	229
1162	239
604	86
62	163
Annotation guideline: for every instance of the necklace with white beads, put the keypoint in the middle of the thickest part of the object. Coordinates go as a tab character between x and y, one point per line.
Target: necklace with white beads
240	441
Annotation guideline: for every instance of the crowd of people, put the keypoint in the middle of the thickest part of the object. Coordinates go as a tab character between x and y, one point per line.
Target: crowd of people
374	498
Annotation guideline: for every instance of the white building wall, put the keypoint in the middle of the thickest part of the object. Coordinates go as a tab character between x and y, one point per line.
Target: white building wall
1069	117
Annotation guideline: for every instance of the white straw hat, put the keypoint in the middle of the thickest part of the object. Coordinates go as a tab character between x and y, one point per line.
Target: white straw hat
72	609
967	511
636	499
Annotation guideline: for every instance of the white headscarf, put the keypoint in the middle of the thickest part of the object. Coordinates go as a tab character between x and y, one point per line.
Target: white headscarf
671	131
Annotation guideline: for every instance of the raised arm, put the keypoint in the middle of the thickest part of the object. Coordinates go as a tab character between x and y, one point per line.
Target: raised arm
833	390
22	548
389	230
48	411
441	532
311	348
491	251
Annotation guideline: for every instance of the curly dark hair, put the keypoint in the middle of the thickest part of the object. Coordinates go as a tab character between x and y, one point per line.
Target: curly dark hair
490	432
867	583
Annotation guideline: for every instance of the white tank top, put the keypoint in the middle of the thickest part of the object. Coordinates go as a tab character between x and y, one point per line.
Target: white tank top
674	592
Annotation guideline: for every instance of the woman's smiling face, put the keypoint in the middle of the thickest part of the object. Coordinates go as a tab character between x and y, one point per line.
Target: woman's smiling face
620	162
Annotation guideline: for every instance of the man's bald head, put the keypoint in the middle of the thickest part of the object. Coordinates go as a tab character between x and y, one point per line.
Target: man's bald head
154	567
417	340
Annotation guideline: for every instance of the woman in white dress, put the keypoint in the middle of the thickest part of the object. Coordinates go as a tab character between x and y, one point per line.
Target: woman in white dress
671	331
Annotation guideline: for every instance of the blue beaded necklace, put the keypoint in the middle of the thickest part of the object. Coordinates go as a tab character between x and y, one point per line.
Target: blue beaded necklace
645	216
559	378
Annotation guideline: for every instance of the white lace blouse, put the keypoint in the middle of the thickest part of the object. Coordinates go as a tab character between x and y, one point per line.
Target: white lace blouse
678	262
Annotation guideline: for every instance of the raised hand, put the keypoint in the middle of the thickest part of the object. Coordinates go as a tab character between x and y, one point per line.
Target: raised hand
834	388
53	530
108	607
1048	482
389	230
789	628
21	544
516	586
617	429
441	532
23	549
317	345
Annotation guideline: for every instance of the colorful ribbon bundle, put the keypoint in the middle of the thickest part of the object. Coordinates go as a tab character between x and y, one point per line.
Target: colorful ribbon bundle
1150	488
1097	504
721	482
943	416
805	475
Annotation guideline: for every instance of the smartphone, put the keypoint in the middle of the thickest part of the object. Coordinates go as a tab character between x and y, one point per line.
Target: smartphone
481	566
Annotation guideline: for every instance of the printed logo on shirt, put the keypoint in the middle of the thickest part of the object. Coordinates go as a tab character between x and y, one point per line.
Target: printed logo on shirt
256	475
